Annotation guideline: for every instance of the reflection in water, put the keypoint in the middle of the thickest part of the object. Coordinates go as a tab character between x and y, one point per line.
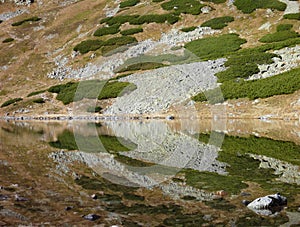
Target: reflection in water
142	170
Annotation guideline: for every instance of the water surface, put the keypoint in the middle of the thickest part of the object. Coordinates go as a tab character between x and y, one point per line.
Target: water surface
147	173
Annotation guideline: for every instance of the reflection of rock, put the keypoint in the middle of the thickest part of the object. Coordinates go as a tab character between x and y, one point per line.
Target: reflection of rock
158	144
288	173
267	205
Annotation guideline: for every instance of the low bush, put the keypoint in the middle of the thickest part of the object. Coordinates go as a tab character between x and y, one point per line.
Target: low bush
88	45
248	6
285	83
215	47
92	109
141	66
26	20
129	3
113	29
8	40
215	1
131	31
11	101
292	16
278	36
188	29
218	22
35	93
183	6
120	41
284	27
90	89
238	71
38	100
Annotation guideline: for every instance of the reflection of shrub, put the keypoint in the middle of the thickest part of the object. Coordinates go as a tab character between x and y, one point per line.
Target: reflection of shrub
11	101
215	47
129	3
107	30
278	36
131	31
8	40
26	20
88	45
218	23
292	16
248	6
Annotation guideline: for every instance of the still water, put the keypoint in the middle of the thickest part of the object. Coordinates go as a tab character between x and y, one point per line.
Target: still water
148	173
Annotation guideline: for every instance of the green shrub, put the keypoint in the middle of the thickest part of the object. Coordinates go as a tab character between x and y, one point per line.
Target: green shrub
183	6
218	22
113	29
38	100
88	45
284	27
248	6
215	47
188	29
119	19
129	3
131	31
92	109
158	0
238	71
279	36
11	101
90	89
215	1
285	83
35	93
141	66
292	16
120	41
8	40
26	20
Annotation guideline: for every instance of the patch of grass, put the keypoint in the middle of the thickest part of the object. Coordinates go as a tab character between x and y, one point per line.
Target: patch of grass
8	40
90	89
140	66
113	29
26	20
284	27
70	141
131	31
11	101
218	22
215	47
188	29
284	83
183	6
120	41
92	109
248	6
88	45
292	16
215	1
35	93
279	36
38	100
139	20
129	3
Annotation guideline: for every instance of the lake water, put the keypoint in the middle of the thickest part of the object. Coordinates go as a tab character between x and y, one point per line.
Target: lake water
148	173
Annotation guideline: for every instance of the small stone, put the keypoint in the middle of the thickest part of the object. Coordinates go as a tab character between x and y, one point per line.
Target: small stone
20	199
3	197
91	217
207	217
245	194
68	208
94	196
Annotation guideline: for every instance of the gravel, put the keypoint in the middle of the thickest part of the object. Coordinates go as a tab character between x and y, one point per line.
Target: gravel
292	6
